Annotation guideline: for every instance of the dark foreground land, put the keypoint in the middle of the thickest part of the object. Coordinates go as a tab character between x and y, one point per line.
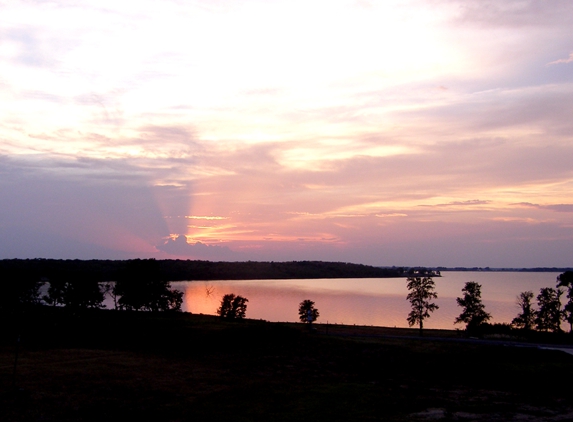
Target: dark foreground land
108	365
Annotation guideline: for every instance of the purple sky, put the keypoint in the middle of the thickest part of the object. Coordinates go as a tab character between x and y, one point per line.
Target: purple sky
422	132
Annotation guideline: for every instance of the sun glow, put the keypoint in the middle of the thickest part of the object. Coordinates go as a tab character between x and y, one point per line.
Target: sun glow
321	128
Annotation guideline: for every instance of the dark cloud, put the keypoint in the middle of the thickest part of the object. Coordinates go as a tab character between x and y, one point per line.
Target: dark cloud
66	168
198	250
27	242
552	207
560	207
68	204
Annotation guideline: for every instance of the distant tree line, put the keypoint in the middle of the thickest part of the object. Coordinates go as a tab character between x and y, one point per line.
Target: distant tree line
507	269
138	286
183	270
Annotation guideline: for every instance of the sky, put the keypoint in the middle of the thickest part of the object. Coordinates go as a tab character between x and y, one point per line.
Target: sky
410	132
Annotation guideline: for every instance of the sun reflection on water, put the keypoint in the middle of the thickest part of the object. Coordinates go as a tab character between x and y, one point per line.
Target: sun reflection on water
380	302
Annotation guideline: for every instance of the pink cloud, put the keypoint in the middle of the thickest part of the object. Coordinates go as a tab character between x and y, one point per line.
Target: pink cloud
469	202
180	247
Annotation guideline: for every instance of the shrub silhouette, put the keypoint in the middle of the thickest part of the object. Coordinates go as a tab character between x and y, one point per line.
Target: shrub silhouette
75	294
141	287
232	307
20	289
307	312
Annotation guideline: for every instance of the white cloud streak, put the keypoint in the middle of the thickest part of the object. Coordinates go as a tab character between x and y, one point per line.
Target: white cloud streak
563	61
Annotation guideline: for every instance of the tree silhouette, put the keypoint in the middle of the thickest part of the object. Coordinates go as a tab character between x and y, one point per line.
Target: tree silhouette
566	280
473	313
142	287
421	292
75	294
20	289
307	312
526	319
232	307
549	314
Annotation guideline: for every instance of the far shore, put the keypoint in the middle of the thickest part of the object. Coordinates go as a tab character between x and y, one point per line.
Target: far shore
506	269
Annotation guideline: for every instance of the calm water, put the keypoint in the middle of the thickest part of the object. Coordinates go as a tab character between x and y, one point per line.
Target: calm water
362	301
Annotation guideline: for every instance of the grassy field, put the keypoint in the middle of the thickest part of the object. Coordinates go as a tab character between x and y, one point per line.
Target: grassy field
179	367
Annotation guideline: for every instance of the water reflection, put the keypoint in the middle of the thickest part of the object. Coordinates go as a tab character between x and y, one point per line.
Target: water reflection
379	302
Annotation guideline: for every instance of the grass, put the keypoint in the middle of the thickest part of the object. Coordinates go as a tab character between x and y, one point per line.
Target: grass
182	367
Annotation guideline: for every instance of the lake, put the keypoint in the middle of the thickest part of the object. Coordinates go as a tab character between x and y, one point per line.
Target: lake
364	301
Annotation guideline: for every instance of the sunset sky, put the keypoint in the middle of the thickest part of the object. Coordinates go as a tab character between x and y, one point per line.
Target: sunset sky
410	132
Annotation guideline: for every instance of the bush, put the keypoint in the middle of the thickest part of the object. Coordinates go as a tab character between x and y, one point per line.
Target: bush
141	288
232	307
307	312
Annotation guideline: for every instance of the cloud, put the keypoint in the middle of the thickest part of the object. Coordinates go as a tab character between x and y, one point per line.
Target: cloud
560	61
31	47
552	207
517	220
263	92
504	110
560	207
180	247
470	202
514	13
83	202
